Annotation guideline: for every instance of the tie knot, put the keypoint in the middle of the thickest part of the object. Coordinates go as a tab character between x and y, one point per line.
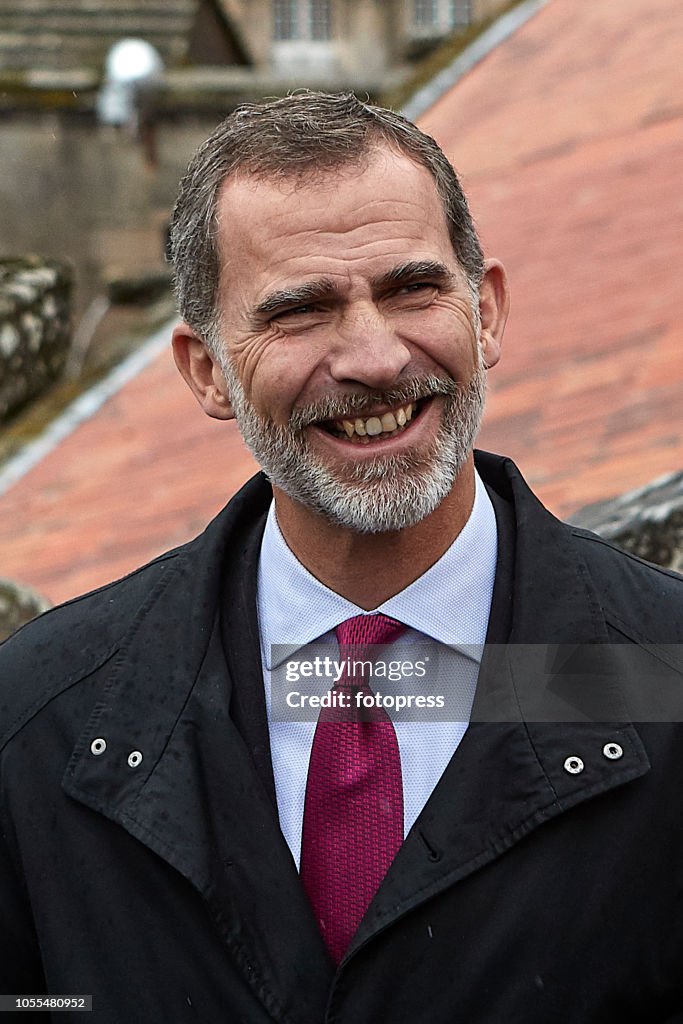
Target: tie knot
362	630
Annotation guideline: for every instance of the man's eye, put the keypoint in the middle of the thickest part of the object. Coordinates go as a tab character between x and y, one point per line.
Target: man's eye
416	287
294	311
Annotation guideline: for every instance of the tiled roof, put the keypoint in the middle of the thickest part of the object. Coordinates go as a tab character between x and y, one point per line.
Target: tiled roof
570	143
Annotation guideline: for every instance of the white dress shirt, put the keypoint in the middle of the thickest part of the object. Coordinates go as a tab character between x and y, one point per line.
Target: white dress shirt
450	604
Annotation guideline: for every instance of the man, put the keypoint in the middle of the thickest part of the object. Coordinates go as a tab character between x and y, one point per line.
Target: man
179	850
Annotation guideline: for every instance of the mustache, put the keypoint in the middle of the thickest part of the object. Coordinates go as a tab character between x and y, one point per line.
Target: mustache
348	406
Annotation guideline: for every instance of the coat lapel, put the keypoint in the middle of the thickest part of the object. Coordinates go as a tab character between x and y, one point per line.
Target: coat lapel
198	799
551	694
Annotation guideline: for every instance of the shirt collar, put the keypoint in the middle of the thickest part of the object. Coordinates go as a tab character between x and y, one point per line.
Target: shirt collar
450	602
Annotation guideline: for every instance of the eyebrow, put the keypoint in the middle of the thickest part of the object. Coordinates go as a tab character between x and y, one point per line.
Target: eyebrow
415	270
300	295
325	287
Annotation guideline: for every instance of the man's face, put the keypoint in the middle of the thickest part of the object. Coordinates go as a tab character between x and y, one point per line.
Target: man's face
350	340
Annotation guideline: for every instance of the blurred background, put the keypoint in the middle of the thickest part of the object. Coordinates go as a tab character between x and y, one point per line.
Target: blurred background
104	101
565	124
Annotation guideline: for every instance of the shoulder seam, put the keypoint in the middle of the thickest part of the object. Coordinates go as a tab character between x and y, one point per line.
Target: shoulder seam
589	536
122	579
97	658
92	593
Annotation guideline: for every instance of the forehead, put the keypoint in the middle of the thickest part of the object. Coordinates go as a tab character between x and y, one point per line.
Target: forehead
341	223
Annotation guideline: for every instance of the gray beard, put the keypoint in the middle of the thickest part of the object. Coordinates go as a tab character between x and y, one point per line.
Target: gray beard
386	493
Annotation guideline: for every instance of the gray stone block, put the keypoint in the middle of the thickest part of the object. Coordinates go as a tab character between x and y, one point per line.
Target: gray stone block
18	605
647	522
35	327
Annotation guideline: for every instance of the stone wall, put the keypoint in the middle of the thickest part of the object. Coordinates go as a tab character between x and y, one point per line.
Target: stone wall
647	522
35	303
18	605
74	192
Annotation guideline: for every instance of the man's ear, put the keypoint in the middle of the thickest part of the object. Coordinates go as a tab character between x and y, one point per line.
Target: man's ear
202	373
494	305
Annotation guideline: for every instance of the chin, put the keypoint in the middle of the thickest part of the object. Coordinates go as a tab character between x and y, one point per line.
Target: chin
388	495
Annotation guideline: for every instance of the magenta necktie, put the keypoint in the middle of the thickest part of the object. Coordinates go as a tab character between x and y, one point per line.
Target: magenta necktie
353	814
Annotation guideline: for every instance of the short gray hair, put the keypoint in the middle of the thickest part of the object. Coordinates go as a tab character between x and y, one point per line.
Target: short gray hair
306	134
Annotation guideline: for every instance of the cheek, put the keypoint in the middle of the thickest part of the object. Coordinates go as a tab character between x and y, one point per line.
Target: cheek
278	380
246	355
262	363
445	334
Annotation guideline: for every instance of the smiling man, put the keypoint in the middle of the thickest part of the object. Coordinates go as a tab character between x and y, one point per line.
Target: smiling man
351	345
476	815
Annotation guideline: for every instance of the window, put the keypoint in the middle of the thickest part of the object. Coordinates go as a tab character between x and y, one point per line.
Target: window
436	16
321	27
426	13
285	19
460	12
302	19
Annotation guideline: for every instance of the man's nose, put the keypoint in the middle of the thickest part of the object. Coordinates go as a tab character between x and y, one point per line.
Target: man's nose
368	350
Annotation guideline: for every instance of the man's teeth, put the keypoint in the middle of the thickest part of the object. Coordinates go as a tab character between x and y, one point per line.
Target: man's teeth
375	425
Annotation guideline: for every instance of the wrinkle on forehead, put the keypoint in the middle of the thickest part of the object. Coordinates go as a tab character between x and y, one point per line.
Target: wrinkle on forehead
246	189
320	176
359	242
255	188
386	219
388	210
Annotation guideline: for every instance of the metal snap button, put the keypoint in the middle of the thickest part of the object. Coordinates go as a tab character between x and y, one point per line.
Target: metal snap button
134	758
98	746
613	751
574	765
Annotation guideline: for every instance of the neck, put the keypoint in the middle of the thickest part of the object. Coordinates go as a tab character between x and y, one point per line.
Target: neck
369	568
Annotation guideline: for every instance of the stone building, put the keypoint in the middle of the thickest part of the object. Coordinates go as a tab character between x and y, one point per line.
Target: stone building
357	40
238	45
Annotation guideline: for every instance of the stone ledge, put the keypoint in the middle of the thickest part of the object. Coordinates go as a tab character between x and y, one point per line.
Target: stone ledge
647	522
18	605
35	313
182	90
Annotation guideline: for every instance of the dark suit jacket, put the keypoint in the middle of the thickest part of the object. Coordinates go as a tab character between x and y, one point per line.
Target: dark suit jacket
524	892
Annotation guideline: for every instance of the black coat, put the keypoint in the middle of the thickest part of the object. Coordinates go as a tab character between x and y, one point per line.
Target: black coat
524	892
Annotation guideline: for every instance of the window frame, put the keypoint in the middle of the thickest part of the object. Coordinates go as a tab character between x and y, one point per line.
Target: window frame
296	21
439	16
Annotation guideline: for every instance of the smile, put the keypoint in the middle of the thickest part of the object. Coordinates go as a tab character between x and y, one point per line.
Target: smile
380	426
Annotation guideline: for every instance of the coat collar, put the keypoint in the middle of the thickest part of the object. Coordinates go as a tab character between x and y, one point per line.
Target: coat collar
199	801
547	700
554	598
196	798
